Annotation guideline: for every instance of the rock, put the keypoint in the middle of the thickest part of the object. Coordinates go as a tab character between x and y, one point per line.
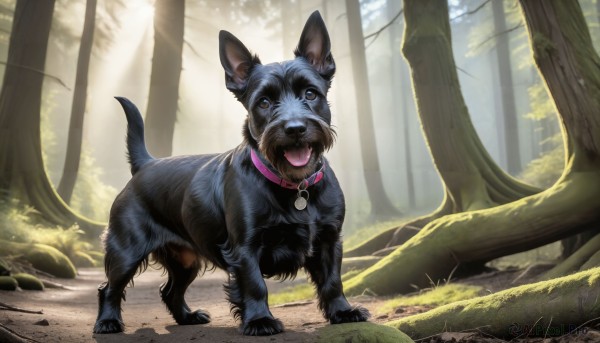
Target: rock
8	283
42	257
364	332
42	322
29	282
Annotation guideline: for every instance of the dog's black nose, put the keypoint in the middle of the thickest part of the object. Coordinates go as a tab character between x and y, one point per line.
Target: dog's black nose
294	127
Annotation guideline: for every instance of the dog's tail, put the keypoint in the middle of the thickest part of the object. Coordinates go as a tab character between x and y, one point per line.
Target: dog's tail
136	147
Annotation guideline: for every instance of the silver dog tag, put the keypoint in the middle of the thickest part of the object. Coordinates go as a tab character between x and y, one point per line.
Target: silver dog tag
301	201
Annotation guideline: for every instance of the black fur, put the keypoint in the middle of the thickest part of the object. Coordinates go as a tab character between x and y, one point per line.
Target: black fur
193	212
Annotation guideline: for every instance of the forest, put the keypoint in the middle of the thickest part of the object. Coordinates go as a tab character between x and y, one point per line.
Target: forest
467	148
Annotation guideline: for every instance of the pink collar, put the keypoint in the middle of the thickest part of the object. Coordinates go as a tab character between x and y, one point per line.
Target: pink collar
263	169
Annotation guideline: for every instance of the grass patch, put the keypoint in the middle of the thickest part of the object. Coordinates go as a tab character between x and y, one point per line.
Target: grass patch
299	292
437	296
304	291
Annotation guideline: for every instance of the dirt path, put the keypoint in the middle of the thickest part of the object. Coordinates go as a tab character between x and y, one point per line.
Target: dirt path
70	314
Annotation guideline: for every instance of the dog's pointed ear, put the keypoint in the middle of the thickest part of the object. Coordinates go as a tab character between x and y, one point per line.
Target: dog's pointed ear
315	46
237	61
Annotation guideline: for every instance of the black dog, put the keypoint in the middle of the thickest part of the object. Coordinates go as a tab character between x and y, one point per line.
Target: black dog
266	208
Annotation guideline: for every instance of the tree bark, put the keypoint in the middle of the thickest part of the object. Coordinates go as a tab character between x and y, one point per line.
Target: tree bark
401	83
472	180
543	309
508	114
22	173
568	63
163	97
380	202
73	155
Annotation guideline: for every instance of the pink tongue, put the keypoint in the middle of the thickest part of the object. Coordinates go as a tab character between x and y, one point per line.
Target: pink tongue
298	157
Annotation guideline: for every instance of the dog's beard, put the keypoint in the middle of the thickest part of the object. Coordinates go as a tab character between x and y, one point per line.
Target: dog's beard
296	158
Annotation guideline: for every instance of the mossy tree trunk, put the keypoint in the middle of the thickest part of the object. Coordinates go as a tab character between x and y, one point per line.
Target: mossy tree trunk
166	72
584	59
565	57
22	173
73	154
471	179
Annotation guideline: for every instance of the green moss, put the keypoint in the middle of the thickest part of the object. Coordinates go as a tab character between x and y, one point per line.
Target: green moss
360	333
435	297
82	260
542	46
8	283
389	275
29	282
50	260
570	300
291	294
41	257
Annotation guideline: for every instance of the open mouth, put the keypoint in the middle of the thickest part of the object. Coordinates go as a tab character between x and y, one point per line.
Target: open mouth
298	156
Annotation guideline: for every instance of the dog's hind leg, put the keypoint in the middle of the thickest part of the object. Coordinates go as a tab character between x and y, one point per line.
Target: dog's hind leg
183	266
121	263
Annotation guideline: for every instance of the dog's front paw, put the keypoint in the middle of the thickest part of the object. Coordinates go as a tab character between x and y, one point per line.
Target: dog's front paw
262	327
108	326
193	318
355	314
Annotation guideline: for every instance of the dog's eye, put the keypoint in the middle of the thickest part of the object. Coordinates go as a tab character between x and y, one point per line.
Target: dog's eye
310	94
264	103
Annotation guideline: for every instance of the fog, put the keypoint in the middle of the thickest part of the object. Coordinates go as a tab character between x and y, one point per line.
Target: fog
210	119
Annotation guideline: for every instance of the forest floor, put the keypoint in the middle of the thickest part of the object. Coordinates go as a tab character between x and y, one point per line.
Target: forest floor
69	314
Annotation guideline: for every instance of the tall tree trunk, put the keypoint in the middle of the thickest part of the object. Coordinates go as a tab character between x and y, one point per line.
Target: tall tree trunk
577	114
73	155
472	180
508	114
164	82
22	173
566	59
401	84
380	202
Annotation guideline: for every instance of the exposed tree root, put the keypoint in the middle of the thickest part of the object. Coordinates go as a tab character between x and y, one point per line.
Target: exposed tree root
478	236
4	306
549	308
9	336
575	262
